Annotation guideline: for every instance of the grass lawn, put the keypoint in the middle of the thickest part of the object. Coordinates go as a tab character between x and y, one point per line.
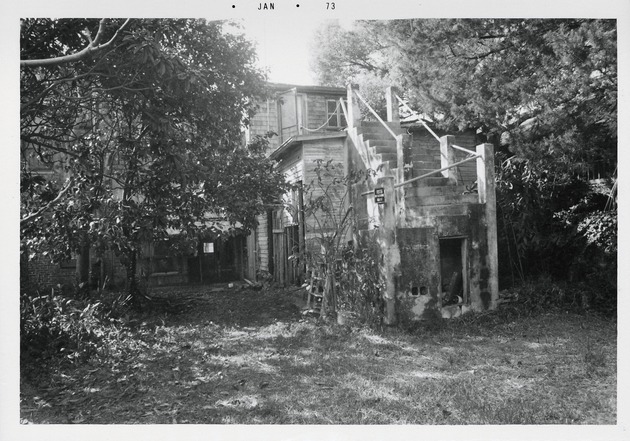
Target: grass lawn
248	357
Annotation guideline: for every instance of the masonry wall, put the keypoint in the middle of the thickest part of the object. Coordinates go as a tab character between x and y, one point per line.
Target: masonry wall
467	173
41	273
422	139
419	245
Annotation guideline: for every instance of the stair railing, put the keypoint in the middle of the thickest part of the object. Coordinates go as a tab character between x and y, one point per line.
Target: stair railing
473	155
435	172
367	161
414	113
399	138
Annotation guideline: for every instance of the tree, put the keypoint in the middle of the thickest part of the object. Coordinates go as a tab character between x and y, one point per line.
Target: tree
543	91
142	124
549	87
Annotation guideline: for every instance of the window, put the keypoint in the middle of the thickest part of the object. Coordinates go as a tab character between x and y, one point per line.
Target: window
334	114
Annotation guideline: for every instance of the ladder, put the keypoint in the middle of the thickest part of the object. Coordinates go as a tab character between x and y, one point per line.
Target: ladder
315	290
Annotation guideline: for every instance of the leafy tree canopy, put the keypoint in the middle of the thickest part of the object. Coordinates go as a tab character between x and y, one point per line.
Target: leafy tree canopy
141	122
547	87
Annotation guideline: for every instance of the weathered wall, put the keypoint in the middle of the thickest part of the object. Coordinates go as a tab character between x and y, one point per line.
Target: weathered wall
419	247
313	112
265	120
467	173
293	168
316	111
324	150
419	281
41	273
423	141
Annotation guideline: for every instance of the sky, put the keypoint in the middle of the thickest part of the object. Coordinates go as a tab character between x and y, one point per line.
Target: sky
284	46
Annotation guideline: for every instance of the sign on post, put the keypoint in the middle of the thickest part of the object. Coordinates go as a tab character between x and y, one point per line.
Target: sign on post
379	195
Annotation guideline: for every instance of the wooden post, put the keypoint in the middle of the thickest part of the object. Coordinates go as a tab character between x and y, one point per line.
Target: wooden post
392	105
487	196
447	157
390	255
354	112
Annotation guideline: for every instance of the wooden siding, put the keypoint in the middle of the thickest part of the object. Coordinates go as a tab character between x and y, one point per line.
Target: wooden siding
316	111
293	168
265	120
332	149
313	111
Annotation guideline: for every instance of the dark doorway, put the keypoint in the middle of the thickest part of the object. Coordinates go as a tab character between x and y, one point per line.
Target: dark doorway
217	260
453	274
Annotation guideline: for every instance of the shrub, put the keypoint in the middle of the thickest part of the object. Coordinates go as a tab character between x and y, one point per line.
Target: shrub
545	293
55	326
360	284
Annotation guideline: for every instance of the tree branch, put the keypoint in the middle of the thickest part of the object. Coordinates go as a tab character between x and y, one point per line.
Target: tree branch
91	48
42	210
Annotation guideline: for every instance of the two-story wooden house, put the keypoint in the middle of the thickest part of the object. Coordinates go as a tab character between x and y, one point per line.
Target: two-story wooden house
439	209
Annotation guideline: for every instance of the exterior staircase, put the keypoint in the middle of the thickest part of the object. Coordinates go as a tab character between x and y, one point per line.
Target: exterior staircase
434	190
380	145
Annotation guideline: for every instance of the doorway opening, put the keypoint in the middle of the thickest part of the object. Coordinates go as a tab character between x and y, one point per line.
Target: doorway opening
453	270
217	260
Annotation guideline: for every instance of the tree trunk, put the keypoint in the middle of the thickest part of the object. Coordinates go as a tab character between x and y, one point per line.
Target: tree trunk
83	267
132	281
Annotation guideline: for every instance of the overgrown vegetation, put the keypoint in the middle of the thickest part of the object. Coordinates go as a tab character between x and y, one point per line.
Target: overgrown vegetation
249	357
342	260
544	93
555	225
116	113
60	327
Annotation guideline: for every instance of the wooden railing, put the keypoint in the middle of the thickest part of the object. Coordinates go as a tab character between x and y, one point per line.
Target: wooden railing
398	138
434	172
446	147
450	165
355	141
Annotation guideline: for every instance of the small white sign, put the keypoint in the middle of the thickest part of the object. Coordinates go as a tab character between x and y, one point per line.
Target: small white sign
208	247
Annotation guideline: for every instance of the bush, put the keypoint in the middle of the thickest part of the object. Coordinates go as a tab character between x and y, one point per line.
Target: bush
545	293
360	285
55	326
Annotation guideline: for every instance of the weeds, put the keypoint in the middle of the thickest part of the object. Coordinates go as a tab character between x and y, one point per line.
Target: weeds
201	367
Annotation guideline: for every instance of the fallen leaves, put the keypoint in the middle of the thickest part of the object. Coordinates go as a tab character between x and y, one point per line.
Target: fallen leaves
282	370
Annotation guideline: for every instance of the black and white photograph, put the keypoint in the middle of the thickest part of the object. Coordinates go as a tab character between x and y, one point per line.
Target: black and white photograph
315	220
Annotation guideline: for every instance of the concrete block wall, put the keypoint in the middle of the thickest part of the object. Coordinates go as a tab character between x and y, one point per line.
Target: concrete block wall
425	154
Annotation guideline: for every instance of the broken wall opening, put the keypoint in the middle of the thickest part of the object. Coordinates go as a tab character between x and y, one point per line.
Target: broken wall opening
453	273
